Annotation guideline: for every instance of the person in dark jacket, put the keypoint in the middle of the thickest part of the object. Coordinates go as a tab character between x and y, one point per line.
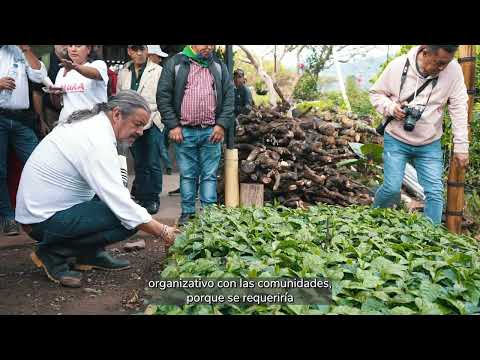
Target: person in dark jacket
243	96
196	98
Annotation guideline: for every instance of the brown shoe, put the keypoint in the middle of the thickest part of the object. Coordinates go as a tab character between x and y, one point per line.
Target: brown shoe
57	271
11	228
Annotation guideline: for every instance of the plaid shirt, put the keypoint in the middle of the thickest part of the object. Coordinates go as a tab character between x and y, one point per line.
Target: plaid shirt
199	100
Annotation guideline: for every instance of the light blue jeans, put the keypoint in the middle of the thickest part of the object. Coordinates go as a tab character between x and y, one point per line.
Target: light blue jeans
427	160
198	160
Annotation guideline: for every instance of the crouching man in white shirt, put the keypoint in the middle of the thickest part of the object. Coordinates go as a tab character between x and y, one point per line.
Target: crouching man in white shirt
56	202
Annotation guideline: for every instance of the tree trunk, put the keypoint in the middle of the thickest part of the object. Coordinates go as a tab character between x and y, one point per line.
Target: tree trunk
299	52
280	93
272	94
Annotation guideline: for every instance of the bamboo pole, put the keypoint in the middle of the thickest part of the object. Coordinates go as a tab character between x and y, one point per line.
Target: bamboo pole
232	186
456	175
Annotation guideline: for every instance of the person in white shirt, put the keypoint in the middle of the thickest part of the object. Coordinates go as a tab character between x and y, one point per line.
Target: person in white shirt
83	83
18	63
71	197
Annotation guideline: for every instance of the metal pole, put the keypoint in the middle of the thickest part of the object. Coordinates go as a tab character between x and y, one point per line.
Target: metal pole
232	187
230	132
340	80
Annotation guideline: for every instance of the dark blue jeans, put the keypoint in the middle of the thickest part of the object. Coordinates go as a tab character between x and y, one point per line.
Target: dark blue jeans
198	161
83	228
24	141
148	170
162	148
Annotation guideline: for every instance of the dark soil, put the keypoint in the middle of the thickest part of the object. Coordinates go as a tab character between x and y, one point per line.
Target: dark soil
25	289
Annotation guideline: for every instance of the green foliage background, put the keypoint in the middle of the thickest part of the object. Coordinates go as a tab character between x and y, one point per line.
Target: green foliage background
306	88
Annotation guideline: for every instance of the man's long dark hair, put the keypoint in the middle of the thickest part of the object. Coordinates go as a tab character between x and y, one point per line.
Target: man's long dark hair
126	100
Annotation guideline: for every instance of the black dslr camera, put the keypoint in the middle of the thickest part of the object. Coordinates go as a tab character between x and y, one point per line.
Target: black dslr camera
412	115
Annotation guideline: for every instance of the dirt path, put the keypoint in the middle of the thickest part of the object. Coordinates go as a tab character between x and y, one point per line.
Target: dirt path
24	289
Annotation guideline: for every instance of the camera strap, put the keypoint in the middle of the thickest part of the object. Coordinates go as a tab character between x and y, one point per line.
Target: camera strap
433	81
404	77
420	89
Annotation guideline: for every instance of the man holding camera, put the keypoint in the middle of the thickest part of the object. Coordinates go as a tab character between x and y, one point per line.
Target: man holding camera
412	93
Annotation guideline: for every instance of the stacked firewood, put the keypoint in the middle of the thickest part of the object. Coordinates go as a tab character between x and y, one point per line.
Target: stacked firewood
296	158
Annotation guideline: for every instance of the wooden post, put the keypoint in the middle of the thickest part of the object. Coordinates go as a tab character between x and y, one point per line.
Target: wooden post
456	175
251	195
232	191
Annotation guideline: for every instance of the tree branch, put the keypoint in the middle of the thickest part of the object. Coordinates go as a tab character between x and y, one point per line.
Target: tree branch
272	93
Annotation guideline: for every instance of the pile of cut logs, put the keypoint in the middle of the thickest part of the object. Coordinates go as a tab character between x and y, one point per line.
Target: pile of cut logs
296	158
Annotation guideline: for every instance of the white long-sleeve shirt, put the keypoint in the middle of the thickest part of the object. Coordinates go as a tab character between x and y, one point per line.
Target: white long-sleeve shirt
69	166
10	54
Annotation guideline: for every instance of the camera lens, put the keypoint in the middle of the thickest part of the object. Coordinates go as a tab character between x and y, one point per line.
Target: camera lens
411	118
408	126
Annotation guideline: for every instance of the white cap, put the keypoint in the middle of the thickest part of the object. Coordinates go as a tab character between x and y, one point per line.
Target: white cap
157	50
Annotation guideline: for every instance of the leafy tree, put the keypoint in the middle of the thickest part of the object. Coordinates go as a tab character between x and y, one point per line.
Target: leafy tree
306	88
359	98
274	92
318	58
